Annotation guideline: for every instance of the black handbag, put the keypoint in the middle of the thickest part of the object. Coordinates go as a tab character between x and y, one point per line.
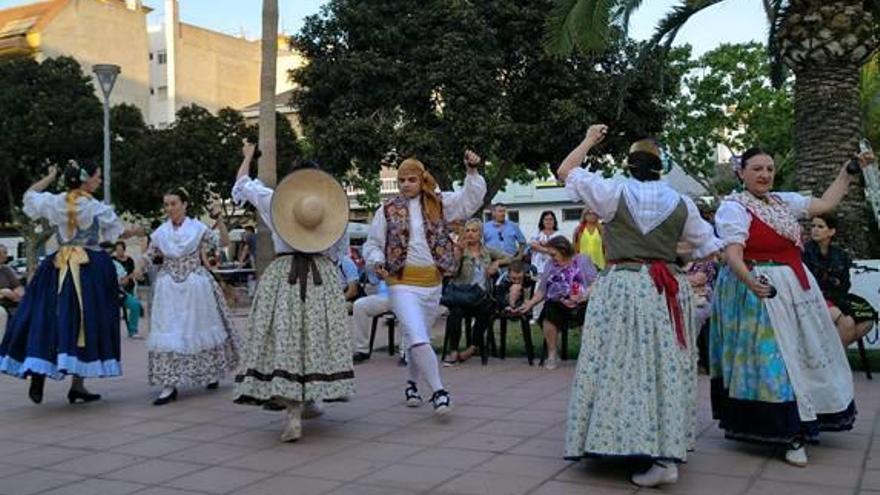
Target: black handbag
469	296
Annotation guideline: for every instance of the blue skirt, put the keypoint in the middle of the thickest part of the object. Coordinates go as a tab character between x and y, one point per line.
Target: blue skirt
41	338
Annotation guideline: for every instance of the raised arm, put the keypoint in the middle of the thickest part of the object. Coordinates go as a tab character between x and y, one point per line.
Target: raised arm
838	189
595	134
462	204
46	181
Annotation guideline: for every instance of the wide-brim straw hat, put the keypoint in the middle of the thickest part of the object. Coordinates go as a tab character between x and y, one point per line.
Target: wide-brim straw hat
310	210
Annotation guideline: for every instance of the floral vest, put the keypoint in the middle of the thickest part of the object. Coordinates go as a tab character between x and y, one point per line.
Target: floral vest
397	238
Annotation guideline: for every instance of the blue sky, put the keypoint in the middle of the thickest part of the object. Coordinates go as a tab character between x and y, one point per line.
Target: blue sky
731	21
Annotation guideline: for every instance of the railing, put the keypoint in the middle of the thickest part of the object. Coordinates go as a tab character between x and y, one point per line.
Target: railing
387	186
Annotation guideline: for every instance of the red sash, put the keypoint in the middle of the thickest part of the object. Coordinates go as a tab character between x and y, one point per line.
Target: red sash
765	244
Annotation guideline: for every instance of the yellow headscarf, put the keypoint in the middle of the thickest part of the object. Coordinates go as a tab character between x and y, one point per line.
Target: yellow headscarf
430	199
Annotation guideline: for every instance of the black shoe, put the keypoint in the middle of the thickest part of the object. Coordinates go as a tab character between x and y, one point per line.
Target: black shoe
161	401
413	399
272	405
213	386
401	361
441	401
77	395
360	357
35	392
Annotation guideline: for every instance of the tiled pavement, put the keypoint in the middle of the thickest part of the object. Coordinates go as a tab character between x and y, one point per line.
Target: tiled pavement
505	436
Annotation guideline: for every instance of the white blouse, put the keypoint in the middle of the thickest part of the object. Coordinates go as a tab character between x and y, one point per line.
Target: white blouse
256	193
53	207
650	204
732	220
458	205
184	240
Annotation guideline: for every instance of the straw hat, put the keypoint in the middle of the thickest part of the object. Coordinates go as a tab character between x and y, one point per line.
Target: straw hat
310	210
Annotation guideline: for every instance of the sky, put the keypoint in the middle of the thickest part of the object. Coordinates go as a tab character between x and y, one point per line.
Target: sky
732	21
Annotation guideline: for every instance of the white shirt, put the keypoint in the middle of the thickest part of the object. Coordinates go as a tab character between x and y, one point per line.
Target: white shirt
456	206
732	220
254	192
650	203
53	207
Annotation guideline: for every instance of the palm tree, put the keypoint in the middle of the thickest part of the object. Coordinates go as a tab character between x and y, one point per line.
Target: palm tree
823	42
267	169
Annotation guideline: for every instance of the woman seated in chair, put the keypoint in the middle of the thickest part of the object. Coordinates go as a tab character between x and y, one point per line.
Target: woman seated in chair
564	287
467	295
830	264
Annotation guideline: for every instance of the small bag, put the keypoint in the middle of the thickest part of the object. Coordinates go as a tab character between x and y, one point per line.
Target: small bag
468	296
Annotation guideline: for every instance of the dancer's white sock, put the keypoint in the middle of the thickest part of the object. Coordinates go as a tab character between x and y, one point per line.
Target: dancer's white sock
425	362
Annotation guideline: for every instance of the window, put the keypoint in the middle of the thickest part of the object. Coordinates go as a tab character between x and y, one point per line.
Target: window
152	92
163	57
151	55
162	92
571	214
512	215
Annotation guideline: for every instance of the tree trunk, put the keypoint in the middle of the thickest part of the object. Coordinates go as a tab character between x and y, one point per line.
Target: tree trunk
825	42
826	135
266	169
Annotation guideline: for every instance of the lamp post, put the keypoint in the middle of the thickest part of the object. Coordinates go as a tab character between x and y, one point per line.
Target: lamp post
106	74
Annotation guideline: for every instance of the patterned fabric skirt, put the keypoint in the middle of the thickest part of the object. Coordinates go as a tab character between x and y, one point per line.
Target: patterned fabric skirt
195	360
296	350
753	396
634	390
42	337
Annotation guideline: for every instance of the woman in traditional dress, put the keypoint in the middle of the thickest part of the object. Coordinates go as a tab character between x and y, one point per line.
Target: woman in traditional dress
779	373
298	346
634	390
192	340
68	320
409	246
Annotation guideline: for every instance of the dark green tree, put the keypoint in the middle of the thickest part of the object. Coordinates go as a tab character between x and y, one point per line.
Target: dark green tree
430	79
728	100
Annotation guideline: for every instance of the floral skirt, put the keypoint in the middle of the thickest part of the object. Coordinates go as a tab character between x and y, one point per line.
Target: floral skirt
634	390
198	367
296	350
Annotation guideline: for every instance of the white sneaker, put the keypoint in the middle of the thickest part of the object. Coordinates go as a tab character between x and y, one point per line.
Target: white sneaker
659	474
293	430
311	410
551	363
413	399
797	457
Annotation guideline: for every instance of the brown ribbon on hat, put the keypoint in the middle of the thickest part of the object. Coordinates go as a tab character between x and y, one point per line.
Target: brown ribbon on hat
300	266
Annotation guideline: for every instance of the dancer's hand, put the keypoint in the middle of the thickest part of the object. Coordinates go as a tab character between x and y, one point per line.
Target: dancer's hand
760	289
471	159
596	134
53	172
248	148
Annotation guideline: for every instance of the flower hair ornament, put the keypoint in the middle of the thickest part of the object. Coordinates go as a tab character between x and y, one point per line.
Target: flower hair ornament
736	163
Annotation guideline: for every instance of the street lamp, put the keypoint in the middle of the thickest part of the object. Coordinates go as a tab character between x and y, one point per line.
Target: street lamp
106	74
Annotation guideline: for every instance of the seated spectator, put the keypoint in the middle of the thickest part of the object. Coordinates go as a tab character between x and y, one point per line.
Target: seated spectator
830	264
348	276
476	266
128	304
128	284
364	310
511	288
11	290
564	288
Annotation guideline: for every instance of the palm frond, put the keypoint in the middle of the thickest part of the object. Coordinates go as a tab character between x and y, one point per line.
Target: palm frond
669	26
582	25
625	12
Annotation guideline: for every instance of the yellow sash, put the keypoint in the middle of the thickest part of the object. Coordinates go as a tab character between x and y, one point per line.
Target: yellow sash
70	258
419	276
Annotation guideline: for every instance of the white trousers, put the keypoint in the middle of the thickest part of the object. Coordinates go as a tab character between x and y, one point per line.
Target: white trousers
364	310
416	309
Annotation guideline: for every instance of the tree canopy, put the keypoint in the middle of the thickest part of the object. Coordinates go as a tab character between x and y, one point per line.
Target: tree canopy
430	79
728	100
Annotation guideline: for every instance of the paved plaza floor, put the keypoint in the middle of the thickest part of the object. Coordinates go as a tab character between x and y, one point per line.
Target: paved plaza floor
505	436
